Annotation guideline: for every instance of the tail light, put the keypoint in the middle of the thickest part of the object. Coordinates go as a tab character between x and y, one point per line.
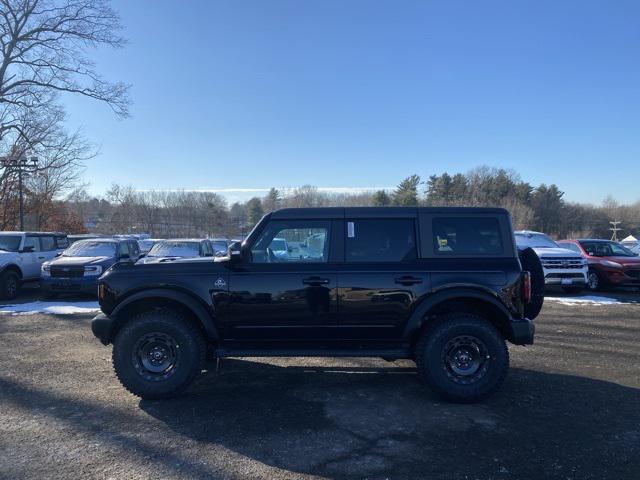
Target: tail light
526	287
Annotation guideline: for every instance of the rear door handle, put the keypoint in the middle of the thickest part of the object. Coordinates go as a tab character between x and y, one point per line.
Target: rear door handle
407	280
315	281
41	258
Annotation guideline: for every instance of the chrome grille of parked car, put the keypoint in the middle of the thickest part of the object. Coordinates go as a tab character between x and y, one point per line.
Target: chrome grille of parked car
562	262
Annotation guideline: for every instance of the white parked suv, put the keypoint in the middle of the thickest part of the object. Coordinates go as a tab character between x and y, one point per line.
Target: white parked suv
22	255
562	267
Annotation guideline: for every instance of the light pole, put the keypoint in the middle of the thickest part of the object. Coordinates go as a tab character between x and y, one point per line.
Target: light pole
21	165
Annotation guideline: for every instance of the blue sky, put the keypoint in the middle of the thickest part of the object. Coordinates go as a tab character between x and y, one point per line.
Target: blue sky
253	94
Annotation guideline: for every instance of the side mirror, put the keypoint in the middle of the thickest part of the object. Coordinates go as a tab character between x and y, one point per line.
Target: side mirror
59	254
28	249
235	252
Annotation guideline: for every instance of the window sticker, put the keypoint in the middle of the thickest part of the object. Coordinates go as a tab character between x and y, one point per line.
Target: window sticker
351	230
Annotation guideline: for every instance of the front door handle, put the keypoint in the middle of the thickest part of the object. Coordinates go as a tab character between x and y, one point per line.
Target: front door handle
41	258
316	281
408	280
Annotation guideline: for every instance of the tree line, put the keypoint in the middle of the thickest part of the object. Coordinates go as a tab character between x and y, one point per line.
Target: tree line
187	213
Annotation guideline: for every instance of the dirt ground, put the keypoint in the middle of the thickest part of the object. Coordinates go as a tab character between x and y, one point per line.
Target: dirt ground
570	409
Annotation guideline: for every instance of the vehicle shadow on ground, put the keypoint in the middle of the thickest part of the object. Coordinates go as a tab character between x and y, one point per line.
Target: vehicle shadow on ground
382	422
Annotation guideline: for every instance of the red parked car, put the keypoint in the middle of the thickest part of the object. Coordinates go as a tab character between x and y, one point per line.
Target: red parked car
609	262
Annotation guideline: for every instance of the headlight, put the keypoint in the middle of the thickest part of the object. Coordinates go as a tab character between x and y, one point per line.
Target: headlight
92	270
610	264
45	270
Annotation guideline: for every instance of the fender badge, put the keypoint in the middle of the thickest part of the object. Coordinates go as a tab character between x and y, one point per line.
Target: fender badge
220	282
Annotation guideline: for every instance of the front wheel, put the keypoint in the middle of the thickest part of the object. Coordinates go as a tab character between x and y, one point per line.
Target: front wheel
462	357
9	285
157	354
594	283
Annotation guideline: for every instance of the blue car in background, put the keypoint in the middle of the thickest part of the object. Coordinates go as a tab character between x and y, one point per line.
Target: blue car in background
78	268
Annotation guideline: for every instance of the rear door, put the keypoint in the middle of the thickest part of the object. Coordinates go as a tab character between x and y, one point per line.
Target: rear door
32	261
284	294
381	279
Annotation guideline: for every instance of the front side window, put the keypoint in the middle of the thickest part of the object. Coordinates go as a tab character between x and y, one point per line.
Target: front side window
467	236
292	242
62	242
123	249
606	249
380	240
10	243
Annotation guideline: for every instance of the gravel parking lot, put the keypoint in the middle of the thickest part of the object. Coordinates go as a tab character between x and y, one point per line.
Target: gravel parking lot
570	409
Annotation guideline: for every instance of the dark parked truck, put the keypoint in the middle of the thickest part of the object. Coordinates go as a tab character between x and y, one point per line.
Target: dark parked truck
442	286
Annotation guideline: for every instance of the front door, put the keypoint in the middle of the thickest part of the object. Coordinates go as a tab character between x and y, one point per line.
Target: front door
287	288
381	279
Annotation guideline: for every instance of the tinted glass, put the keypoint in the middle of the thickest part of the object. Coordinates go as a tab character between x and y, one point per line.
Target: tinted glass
380	240
467	236
292	242
47	243
123	249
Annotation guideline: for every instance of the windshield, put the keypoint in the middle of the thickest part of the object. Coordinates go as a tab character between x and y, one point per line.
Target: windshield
278	245
10	242
534	240
606	249
90	248
175	249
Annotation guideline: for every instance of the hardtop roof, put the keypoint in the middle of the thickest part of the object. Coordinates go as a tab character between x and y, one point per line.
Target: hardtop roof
375	212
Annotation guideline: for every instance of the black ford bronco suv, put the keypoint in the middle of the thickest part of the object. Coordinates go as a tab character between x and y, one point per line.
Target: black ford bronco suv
445	287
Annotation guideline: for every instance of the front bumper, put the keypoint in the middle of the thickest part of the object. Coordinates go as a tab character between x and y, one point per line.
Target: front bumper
522	331
102	328
70	285
565	278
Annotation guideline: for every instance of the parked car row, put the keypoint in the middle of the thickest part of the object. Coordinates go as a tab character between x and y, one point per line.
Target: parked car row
583	263
73	263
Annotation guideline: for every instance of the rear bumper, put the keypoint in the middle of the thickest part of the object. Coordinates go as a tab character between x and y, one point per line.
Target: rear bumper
102	328
522	331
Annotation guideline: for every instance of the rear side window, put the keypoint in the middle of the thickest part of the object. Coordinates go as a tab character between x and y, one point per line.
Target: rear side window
380	240
467	236
62	242
47	243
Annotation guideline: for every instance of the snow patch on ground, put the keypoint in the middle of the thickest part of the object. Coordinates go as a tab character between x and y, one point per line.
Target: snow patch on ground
585	300
54	308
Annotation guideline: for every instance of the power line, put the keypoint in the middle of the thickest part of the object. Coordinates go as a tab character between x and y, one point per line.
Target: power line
615	229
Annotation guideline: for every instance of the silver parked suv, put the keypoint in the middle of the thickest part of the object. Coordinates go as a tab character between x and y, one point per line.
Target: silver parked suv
562	267
22	255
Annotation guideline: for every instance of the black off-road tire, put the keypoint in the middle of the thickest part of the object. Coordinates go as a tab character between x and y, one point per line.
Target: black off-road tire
434	348
9	285
170	327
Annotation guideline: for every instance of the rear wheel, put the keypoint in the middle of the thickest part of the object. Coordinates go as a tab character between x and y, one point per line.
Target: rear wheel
462	357
9	285
157	354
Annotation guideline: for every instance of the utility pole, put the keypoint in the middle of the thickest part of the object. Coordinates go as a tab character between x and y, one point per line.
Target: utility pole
22	166
614	228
